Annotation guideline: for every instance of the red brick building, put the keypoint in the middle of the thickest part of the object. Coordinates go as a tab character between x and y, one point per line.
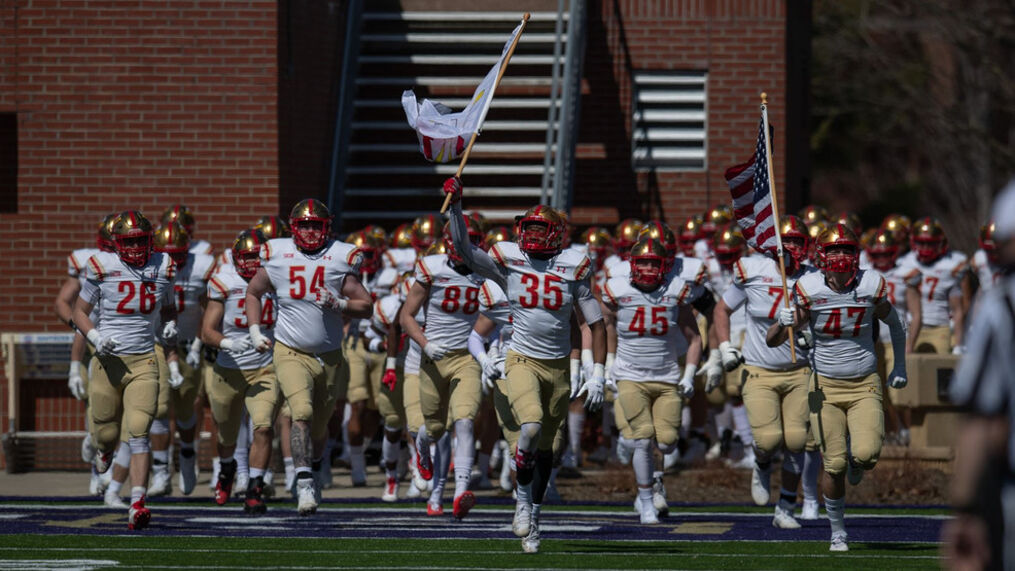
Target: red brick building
230	109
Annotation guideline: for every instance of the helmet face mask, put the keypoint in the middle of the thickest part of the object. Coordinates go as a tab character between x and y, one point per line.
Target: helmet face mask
795	238
662	233
310	222
247	252
838	251
928	240
648	264
132	234
625	236
541	231
729	245
370	247
883	251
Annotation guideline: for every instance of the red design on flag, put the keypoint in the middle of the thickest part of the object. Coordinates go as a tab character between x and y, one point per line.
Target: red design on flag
752	198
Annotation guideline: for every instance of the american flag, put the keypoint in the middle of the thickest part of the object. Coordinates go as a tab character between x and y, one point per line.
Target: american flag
752	197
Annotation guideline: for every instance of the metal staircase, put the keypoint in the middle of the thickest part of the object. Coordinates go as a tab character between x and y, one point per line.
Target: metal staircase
379	174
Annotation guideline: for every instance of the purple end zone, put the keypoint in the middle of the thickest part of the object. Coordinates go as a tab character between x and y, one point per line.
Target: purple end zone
178	519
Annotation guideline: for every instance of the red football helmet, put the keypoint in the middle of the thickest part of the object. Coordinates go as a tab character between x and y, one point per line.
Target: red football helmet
795	240
648	263
715	218
247	252
987	243
883	250
371	247
625	235
729	245
426	231
661	232
690	232
132	234
838	250
310	222
541	231
928	240
273	227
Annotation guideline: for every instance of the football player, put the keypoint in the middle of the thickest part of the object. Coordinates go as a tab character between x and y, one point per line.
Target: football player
180	213
773	384
544	286
243	378
986	260
943	272
838	305
132	287
655	327
316	284
624	236
451	296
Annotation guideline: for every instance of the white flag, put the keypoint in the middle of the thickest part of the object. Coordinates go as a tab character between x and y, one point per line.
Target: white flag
442	134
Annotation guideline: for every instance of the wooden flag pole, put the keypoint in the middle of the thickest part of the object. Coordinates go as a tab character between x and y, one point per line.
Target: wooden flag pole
496	84
775	214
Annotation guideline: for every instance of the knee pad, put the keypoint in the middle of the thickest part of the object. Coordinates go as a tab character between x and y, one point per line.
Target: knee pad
667	447
667	438
139	445
767	440
796	439
865	458
836	465
159	426
302	410
106	435
122	458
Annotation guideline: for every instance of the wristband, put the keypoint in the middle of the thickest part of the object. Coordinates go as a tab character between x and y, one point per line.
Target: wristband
390	362
174	367
94	337
72	325
75	368
598	371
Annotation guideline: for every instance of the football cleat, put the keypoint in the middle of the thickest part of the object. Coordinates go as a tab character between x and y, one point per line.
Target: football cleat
810	510
390	491
530	544
463	504
434	509
523	516
223	489
113	500
424	466
646	511
659	496
216	467
839	542
138	516
103	460
242	483
188	473
95	484
784	519
306	496
253	503
161	483
761	485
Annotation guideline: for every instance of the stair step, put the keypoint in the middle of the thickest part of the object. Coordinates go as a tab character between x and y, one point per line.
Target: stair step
487	60
478	148
460	103
652	115
459	38
668	134
461	16
487	125
450	168
437	80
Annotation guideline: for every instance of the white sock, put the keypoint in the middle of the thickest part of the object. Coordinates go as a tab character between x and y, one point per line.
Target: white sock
742	426
389	455
836	514
114	488
136	493
575	427
464	452
256	473
809	481
524	493
724	418
685	416
645	495
160	461
290	468
642	462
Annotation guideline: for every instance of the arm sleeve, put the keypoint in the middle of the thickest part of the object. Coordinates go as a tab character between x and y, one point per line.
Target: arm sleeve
477	259
897	329
587	303
476	347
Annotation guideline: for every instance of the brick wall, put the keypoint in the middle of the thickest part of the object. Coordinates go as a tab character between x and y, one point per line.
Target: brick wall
131	105
740	43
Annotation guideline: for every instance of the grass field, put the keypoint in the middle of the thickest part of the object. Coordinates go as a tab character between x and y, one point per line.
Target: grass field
66	535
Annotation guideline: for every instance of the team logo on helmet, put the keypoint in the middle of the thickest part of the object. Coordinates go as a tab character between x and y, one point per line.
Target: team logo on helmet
172	239
541	230
247	252
648	262
132	234
310	222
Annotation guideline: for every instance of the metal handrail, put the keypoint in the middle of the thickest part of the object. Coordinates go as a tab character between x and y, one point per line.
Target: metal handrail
551	122
346	108
567	142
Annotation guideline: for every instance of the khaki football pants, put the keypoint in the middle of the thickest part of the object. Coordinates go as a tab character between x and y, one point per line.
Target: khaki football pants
365	372
123	389
410	401
449	390
390	403
310	385
776	404
538	390
850	406
232	389
509	425
164	391
651	409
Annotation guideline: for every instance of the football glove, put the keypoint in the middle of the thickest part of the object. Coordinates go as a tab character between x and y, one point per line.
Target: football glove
897	378
170	330
193	357
74	381
236	346
593	389
390	378
686	384
453	186
959	350
325	298
713	370
731	356
175	376
260	342
104	346
435	351
787	315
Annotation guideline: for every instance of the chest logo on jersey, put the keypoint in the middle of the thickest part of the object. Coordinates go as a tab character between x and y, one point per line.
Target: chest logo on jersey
288	255
238	291
517	262
562	269
767	280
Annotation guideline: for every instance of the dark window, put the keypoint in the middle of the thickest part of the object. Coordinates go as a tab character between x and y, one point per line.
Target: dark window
8	162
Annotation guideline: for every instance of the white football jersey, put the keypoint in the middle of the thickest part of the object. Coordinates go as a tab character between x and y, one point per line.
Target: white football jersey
296	277
897	280
190	284
720	280
941	281
612	261
842	323
542	294
384	282
129	298
757	282
454	303
224	259
400	259
987	273
200	247
649	340
230	288
77	264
